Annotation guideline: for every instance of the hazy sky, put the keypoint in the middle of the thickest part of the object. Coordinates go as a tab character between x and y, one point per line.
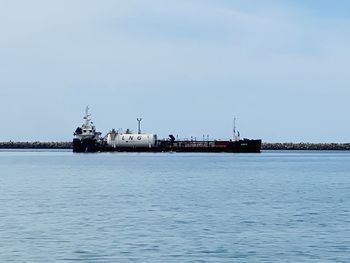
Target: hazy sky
185	66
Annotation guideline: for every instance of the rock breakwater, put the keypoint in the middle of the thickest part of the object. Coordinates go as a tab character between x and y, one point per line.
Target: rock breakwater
35	145
265	146
306	146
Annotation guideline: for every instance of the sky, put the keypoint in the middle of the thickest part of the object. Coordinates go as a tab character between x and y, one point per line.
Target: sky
187	67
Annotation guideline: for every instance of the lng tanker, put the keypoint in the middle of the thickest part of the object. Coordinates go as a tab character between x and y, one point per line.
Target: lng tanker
87	139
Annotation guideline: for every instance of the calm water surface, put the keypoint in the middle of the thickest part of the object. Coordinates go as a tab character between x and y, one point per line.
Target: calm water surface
117	207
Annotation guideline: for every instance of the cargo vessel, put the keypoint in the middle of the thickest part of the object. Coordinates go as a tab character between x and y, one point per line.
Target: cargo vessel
87	139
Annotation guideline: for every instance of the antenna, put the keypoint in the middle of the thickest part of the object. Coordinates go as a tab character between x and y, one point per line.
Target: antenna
87	115
234	128
139	125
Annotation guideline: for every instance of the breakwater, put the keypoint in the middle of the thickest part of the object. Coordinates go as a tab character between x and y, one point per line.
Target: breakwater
306	146
264	146
35	145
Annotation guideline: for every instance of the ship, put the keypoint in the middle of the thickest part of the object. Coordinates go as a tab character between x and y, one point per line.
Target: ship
88	140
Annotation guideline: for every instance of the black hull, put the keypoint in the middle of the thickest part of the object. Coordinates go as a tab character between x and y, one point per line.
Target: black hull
242	146
85	146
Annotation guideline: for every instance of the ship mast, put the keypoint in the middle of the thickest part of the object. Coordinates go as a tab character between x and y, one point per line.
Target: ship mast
86	117
236	135
139	125
234	129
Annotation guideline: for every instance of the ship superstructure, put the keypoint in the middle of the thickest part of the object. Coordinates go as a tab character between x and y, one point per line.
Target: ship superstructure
86	138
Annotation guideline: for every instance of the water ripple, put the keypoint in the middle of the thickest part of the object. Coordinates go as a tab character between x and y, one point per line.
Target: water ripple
269	207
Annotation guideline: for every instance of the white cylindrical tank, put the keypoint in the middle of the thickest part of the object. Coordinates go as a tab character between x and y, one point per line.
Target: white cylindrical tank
133	140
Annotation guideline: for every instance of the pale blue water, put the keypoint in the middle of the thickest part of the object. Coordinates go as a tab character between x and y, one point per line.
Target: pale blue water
268	207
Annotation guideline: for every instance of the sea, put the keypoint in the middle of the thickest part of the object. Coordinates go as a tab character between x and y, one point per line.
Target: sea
276	206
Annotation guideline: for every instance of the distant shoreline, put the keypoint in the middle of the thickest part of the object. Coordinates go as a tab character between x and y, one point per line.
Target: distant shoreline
306	146
35	145
265	146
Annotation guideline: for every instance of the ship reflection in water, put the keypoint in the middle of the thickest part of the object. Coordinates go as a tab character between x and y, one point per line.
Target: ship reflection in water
87	139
